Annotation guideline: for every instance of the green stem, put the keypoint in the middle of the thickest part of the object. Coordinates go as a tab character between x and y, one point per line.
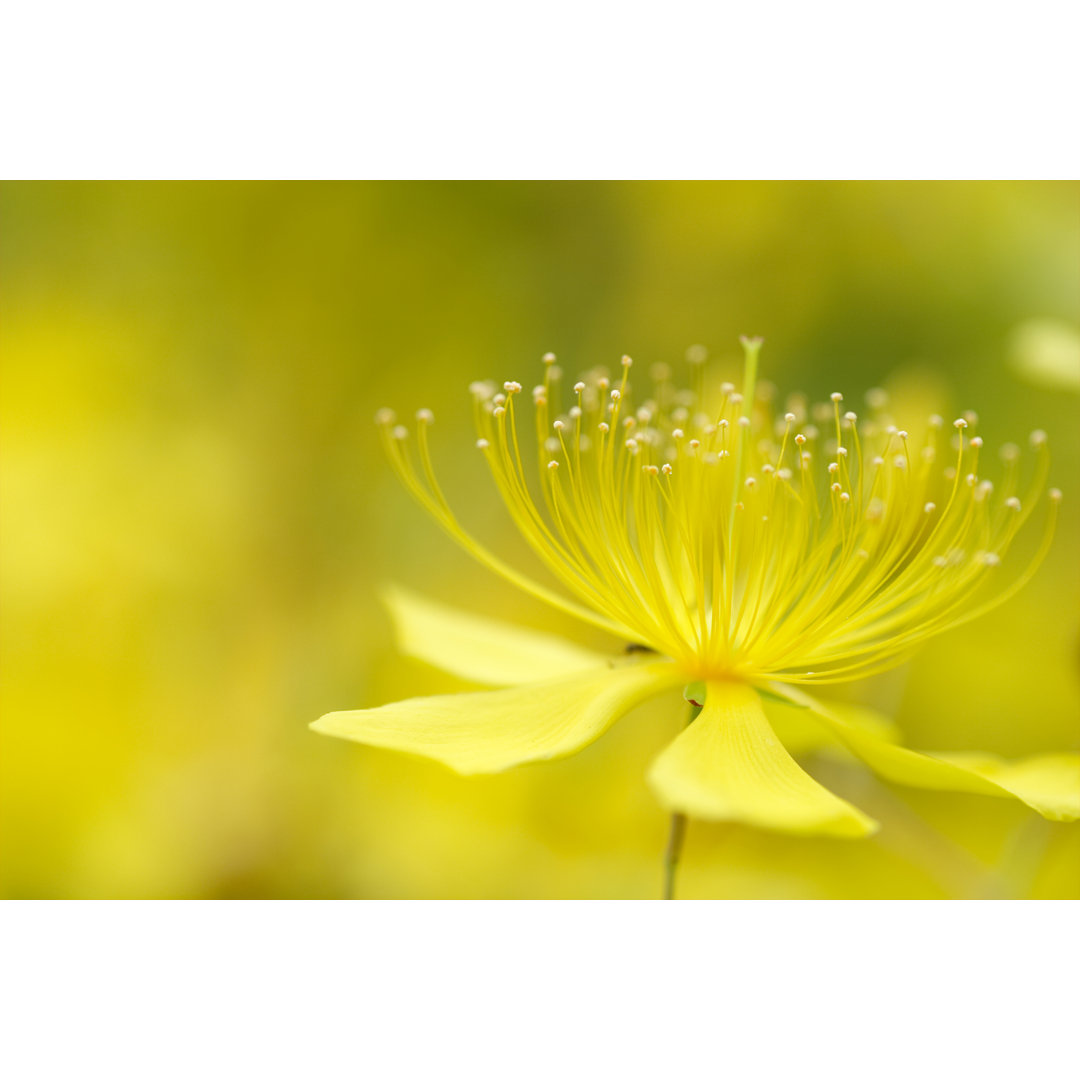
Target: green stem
677	831
751	348
676	835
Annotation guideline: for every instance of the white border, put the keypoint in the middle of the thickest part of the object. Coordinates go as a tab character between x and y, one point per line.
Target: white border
222	89
533	989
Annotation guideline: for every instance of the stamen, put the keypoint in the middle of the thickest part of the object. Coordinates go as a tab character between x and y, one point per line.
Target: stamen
841	566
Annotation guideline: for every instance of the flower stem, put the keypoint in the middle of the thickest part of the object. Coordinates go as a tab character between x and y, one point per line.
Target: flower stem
676	834
677	831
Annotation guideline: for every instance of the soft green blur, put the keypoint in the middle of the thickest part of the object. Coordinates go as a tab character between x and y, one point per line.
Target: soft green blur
196	518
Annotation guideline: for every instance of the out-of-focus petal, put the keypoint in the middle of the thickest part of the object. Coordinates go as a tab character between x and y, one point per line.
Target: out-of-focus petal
479	649
1047	352
1049	784
802	732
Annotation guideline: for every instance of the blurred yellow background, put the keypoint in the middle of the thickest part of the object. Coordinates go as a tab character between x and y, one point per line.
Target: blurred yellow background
196	518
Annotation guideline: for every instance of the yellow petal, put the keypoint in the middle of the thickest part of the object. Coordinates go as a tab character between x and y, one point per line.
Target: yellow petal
802	732
491	730
728	765
1049	784
479	649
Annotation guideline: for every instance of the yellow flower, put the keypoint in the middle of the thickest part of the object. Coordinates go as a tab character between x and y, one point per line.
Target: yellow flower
745	554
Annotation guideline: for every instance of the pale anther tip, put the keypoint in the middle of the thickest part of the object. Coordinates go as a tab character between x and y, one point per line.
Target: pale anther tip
1054	494
1013	503
929	508
977	442
626	361
1038	437
902	434
511	387
425	416
400	432
789	417
579	387
482	444
850	417
836	396
751	341
558	425
666	469
385	416
548	358
553	465
960	423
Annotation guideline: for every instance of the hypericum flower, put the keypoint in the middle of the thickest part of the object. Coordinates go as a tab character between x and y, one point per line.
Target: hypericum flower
746	553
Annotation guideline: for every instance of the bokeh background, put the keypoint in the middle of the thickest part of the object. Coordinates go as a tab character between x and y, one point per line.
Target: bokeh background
196	519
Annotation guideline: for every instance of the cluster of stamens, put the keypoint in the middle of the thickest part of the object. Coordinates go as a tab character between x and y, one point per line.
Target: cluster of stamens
814	545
